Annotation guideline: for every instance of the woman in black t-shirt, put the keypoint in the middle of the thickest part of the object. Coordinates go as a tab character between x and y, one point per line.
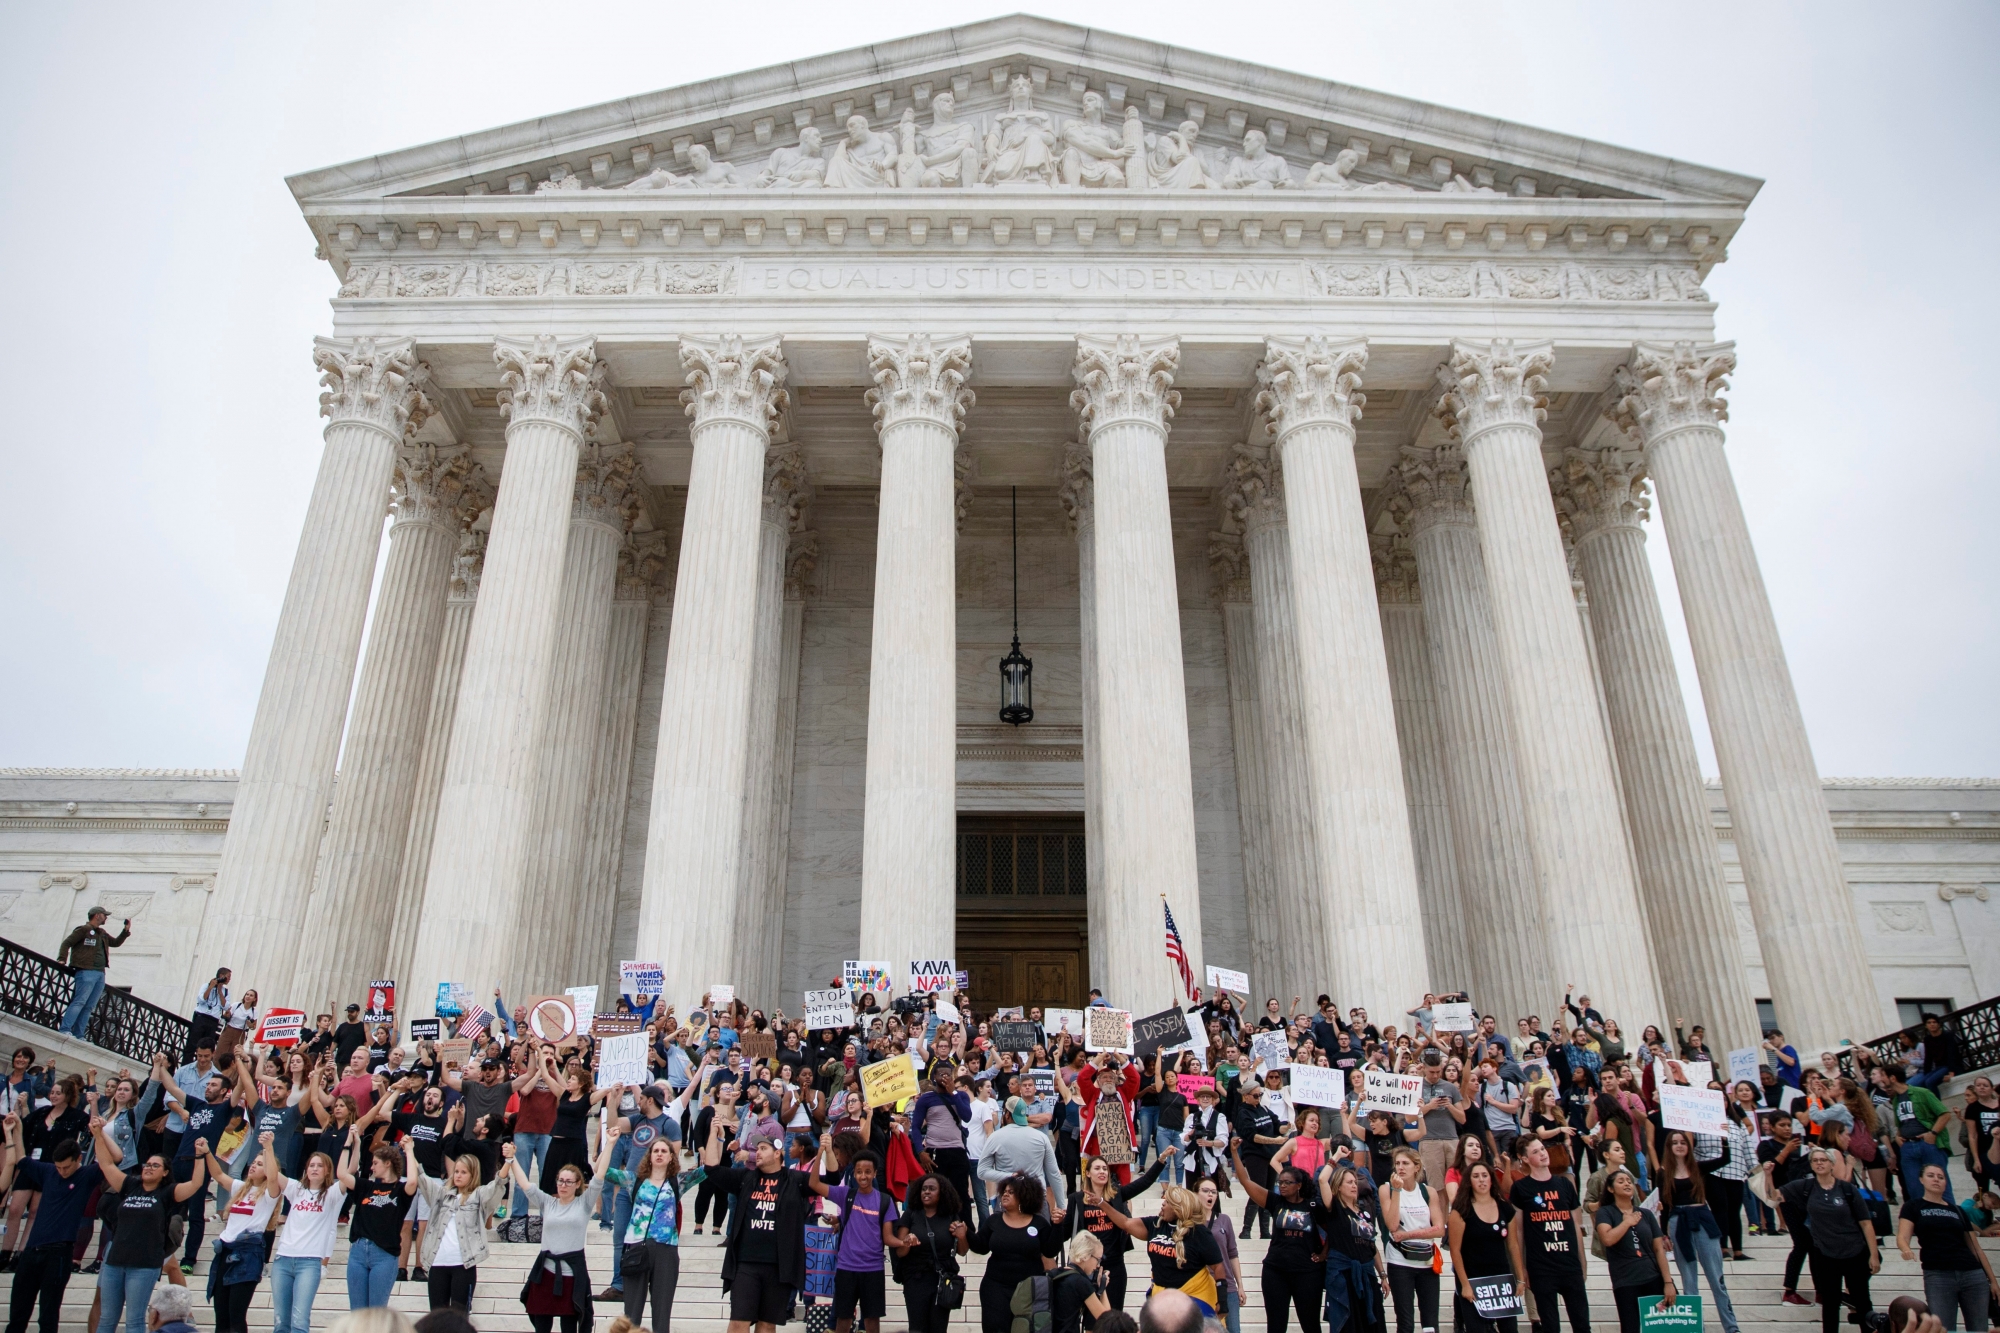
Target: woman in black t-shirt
1183	1251
1357	1272
1957	1274
375	1233
1097	1186
931	1217
140	1203
1635	1251
1019	1244
1480	1228
1295	1263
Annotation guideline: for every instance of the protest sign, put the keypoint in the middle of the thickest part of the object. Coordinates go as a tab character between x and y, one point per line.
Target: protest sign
1114	1135
1012	1011
929	975
641	984
1228	980
622	1059
1538	1073
721	996
1271	1048
1744	1066
1398	1094
1045	1083
1698	1073
1159	1031
381	1006
454	1051
615	1025
425	1029
281	1027
1063	1020
1016	1036
760	1045
889	1081
1697	1110
829	1009
1107	1030
862	975
961	981
1495	1298
452	999
1683	1316
947	1012
583	999
1191	1085
1313	1086
552	1017
1452	1017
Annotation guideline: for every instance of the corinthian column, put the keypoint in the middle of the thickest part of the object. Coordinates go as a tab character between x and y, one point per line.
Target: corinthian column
473	901
1601	494
1360	819
1492	404
1406	645
1799	898
1246	728
373	399
1255	494
694	839
354	906
909	823
1431	498
602	507
1075	491
1125	396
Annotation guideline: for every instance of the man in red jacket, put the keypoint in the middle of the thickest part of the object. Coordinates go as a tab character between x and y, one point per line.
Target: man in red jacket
1110	1088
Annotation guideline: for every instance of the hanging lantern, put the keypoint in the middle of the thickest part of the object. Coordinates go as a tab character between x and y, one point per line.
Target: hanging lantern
1017	671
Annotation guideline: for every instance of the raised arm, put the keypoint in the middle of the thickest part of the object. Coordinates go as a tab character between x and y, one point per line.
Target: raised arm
349	1159
1131	1226
108	1155
199	1182
1258	1194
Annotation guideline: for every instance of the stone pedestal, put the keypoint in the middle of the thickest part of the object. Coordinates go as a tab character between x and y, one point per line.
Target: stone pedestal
1813	951
252	926
1125	397
1360	821
1569	797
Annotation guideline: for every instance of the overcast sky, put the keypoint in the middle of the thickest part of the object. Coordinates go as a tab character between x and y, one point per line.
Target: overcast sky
159	435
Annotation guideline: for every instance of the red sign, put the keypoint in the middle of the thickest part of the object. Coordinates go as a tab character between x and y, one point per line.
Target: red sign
381	1006
281	1027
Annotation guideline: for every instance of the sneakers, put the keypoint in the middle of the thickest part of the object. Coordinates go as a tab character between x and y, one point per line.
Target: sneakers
402	1275
1793	1298
418	1274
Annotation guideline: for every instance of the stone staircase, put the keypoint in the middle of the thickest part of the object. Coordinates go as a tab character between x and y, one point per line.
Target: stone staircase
700	1307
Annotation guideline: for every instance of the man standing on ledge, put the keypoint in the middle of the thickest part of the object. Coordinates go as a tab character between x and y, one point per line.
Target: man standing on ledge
88	951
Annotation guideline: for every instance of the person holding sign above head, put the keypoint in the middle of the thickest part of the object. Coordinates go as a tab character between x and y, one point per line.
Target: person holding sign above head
1634	1249
1485	1255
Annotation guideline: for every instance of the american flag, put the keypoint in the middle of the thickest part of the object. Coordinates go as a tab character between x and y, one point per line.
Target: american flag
473	1024
1178	953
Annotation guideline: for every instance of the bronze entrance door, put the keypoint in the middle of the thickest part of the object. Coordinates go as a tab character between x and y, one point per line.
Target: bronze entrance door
1023	936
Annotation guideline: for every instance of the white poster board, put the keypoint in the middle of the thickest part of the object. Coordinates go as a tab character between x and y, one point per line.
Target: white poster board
932	975
1745	1066
1313	1086
622	1060
1278	1105
1271	1048
1452	1017
829	1009
584	999
1697	1110
721	996
862	974
947	1011
1229	980
1698	1073
1398	1094
1062	1020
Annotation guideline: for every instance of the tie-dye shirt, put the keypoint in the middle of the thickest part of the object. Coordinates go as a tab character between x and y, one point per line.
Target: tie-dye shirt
656	1208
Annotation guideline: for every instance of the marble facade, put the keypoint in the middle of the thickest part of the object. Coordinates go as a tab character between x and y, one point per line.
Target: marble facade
1322	409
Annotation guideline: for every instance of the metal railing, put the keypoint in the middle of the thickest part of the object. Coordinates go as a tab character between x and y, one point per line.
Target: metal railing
38	988
1978	1029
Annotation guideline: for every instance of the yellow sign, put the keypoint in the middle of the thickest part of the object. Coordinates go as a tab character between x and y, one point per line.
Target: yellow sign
887	1082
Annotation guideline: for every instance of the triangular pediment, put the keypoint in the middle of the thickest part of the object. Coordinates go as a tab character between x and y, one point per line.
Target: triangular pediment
1022	92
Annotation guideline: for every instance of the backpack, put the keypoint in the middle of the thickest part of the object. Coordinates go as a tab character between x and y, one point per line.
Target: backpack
1033	1301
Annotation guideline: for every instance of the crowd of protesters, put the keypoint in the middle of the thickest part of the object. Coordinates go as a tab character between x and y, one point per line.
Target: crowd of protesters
1530	1150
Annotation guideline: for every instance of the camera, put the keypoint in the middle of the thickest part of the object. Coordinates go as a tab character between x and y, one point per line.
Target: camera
905	1005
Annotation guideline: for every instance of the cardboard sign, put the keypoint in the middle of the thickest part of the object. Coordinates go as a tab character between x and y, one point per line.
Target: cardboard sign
641	984
1697	1110
1398	1094
451	999
552	1017
948	1012
381	1006
829	1009
1452	1017
1063	1020
1495	1298
622	1059
1694	1073
1271	1048
426	1029
1158	1031
1313	1086
583	999
759	1045
862	975
455	1051
1016	1036
721	996
887	1082
931	975
1683	1316
1746	1066
1107	1030
1228	980
1114	1136
281	1027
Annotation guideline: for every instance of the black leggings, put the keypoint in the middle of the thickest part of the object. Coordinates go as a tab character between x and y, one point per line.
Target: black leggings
452	1286
702	1195
1258	1171
1801	1247
1725	1199
1827	1276
1286	1287
1628	1299
1113	1263
543	1322
1421	1284
920	1304
232	1307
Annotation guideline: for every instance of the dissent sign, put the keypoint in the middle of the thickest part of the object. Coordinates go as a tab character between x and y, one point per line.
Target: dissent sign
859	974
1228	980
1159	1031
281	1027
928	975
1452	1017
622	1059
1398	1094
1016	1036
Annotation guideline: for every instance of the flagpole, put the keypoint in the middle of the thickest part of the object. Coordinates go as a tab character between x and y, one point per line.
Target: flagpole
1173	978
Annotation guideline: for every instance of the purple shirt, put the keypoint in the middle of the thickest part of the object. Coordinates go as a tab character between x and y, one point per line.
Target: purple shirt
861	1241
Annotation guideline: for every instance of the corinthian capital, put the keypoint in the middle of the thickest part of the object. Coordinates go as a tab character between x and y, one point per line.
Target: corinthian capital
1311	380
917	377
1229	565
429	483
549	379
1125	378
1668	386
786	490
1253	486
1597	489
1497	384
730	379
1395	568
607	485
1428	487
374	381
642	558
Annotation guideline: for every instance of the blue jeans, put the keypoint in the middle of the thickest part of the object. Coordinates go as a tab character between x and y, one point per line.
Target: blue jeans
371	1275
1913	1155
1164	1139
294	1283
89	990
1148	1120
621	1218
1232	1309
1930	1078
126	1289
1708	1254
530	1150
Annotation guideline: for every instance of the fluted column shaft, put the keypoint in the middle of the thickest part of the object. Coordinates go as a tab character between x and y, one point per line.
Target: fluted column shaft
754	943
779	867
1075	493
1360	819
1509	950
1569	795
1419	736
1146	778
265	876
571	729
1260	890
1814	955
353	907
1602	493
473	901
909	823
694	840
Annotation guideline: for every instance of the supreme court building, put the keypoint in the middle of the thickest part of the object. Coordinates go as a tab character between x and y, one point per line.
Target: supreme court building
1321	432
